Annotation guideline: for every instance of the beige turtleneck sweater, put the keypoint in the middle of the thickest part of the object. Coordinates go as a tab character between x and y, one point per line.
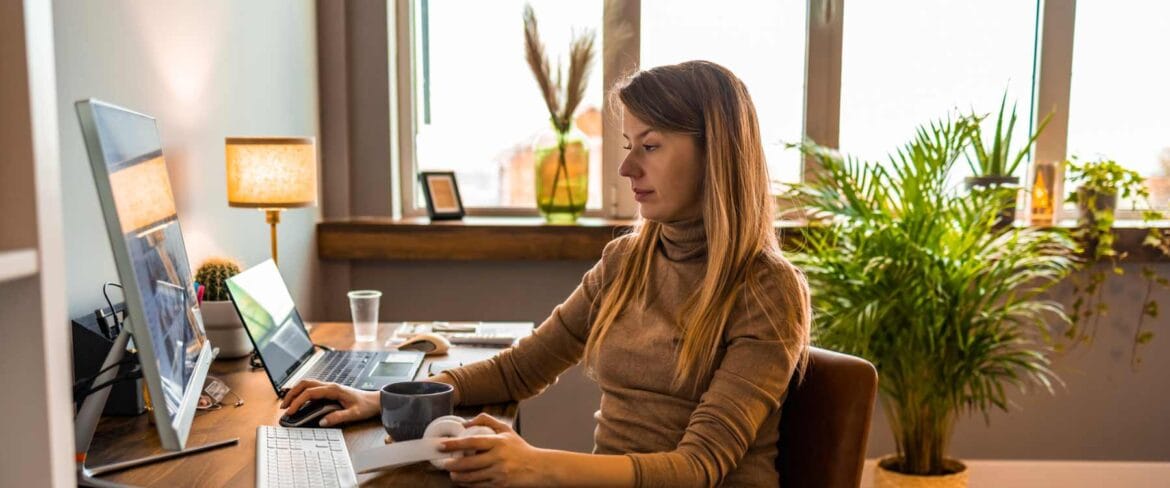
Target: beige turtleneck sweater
724	435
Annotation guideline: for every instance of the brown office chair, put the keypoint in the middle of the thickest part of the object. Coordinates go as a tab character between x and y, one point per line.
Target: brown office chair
825	422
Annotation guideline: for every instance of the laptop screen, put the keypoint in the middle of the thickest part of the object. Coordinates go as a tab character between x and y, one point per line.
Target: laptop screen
272	321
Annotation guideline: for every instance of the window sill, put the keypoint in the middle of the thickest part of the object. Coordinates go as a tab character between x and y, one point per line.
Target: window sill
470	239
531	239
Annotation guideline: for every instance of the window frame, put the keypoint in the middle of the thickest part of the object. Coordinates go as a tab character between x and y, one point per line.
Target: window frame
614	203
1060	19
621	52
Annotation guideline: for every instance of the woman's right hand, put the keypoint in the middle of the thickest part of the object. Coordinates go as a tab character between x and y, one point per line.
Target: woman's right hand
357	404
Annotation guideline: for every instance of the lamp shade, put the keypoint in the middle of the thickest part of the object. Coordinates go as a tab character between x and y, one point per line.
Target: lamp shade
142	194
271	172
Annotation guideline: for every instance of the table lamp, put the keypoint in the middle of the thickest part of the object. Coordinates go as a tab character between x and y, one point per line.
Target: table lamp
271	174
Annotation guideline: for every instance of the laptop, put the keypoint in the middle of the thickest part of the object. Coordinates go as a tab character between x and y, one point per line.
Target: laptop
265	306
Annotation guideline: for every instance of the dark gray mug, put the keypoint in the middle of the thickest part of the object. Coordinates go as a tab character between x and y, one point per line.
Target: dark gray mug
408	407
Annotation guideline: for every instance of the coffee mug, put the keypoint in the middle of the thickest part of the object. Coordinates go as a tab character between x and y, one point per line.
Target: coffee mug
408	407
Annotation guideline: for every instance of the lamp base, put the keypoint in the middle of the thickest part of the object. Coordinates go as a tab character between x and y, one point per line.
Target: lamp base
273	218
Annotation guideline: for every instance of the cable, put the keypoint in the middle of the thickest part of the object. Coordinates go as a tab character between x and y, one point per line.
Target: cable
88	379
79	394
239	399
117	321
130	375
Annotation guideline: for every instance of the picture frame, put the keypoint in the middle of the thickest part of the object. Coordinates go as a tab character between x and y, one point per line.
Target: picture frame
442	195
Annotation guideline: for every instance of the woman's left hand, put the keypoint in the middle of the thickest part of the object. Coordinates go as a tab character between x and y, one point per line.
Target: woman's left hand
502	459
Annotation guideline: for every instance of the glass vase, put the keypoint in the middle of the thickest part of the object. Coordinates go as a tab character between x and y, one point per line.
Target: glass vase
562	175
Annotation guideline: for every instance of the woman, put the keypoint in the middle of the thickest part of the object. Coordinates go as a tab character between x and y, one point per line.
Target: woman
692	325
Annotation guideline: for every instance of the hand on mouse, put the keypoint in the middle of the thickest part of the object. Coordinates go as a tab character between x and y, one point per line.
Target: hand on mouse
357	404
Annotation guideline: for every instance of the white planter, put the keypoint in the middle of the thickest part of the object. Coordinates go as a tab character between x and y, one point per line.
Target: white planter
225	330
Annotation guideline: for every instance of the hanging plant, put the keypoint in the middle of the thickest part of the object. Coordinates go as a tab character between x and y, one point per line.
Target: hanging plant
1100	184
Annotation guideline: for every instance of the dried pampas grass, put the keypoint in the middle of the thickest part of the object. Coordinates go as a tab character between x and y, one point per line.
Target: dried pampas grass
561	105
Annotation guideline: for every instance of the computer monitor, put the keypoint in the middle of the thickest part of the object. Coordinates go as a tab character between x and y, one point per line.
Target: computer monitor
126	156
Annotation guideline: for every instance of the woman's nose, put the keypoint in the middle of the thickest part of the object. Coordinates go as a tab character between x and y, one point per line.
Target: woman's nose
629	167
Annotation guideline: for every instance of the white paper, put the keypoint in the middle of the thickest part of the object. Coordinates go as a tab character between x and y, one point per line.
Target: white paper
400	454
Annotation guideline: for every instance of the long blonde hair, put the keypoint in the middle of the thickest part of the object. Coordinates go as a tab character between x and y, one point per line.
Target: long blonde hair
708	102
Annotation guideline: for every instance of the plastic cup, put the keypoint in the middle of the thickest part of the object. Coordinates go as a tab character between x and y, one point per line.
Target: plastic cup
363	306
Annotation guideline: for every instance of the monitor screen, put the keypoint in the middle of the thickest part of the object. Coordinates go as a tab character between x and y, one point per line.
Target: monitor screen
266	308
139	208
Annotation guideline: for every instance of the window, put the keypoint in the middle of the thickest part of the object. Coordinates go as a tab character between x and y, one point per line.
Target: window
477	108
761	41
908	62
1119	105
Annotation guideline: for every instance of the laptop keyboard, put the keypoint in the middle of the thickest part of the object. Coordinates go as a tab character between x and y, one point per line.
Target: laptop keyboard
340	367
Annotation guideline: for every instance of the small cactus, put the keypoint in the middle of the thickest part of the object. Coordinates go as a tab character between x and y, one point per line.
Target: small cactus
212	274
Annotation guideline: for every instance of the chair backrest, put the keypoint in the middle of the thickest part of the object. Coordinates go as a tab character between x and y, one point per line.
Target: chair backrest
824	424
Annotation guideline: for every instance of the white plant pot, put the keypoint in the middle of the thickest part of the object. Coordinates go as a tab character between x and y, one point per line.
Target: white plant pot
225	330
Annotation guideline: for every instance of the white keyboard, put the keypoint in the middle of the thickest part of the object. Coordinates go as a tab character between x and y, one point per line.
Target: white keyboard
297	457
481	339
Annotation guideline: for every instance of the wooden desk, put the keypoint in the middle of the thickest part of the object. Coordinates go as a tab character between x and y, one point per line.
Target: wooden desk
123	438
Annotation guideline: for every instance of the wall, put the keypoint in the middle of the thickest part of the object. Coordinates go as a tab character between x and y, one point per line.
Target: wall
205	70
1106	409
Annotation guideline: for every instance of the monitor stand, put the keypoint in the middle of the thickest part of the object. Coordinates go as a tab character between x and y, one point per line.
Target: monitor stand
86	421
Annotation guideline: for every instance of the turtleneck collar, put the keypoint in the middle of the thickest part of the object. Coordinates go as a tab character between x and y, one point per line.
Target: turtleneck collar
684	240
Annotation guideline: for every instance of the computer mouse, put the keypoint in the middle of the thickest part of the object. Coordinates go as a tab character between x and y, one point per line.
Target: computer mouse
430	343
310	414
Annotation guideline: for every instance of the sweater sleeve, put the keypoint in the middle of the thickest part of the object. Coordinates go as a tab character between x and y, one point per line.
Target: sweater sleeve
536	361
747	386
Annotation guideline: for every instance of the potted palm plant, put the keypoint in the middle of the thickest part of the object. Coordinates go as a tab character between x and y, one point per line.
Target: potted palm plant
914	276
992	162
